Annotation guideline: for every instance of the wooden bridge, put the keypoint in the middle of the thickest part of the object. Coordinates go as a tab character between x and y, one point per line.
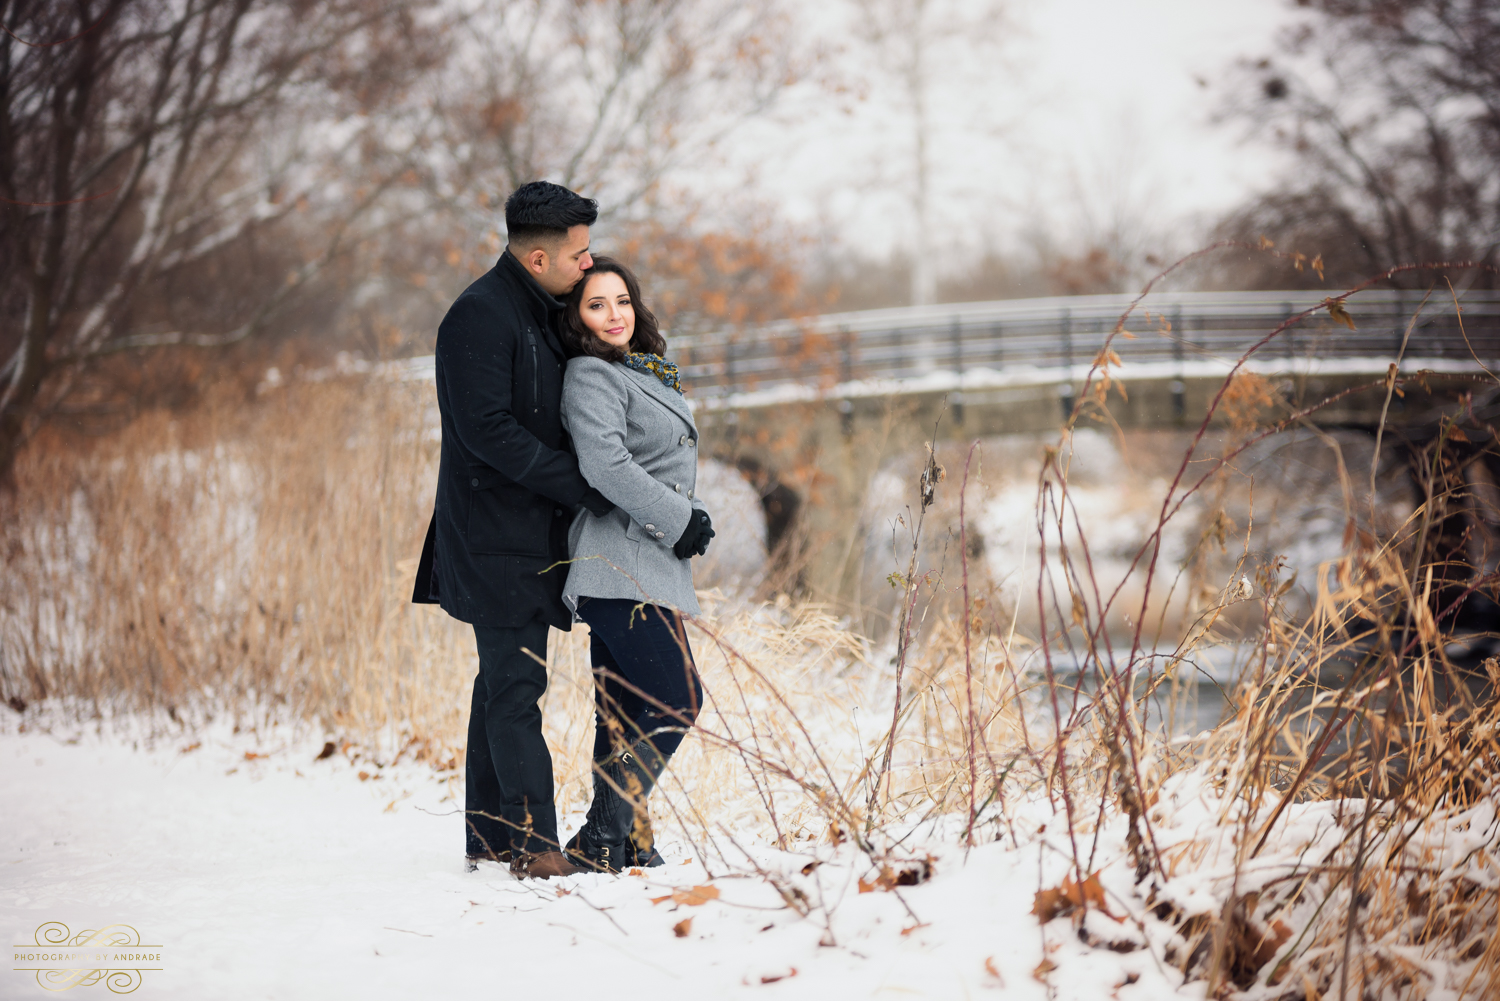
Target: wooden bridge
1016	365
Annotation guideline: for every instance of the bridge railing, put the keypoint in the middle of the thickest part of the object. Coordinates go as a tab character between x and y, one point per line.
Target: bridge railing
840	353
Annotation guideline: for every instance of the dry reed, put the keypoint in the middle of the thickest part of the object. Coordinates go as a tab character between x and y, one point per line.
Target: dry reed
1336	834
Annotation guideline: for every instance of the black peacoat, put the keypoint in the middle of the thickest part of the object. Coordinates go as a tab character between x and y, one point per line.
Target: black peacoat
508	482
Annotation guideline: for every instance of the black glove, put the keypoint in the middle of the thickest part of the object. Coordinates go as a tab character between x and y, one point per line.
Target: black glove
694	541
597	503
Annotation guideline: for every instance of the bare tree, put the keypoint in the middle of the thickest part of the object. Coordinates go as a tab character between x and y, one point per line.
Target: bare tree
606	97
1389	111
924	43
145	146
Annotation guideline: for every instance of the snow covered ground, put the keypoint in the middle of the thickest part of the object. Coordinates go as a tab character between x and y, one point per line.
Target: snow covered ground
260	872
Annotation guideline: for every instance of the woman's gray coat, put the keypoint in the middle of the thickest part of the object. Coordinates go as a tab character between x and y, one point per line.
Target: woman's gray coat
637	444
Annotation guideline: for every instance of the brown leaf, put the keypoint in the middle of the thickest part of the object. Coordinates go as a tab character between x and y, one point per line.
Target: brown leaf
1338	312
1043	968
908	931
771	978
692	896
252	756
990	968
364	776
683	927
867	887
1065	899
326	752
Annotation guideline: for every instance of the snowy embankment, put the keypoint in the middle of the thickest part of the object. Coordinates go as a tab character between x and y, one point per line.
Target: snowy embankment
261	872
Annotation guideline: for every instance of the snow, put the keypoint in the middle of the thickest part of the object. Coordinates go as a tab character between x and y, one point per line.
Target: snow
281	876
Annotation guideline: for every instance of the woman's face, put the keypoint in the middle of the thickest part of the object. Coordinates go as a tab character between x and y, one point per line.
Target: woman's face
606	309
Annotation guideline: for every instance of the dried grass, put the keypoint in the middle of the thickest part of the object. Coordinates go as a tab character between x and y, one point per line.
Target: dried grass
1337	834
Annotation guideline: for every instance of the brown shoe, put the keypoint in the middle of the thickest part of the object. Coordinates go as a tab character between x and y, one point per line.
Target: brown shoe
543	866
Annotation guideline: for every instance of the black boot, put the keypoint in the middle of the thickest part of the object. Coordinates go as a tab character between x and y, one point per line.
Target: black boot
605	842
640	847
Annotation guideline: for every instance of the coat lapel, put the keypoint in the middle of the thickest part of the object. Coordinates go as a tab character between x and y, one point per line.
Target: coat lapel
671	399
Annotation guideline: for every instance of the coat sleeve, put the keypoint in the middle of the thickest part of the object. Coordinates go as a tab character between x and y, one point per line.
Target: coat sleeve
594	408
476	352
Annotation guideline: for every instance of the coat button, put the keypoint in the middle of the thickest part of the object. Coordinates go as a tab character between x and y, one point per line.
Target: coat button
677	487
557	512
650	528
690	495
682	440
474	483
692	442
661	535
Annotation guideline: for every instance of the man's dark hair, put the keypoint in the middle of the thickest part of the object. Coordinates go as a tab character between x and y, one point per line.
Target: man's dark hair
543	212
580	340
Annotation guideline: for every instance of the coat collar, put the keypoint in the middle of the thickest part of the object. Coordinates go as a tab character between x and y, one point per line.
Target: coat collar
541	302
672	399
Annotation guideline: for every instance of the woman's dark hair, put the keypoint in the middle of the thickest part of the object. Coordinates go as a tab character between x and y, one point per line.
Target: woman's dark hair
580	340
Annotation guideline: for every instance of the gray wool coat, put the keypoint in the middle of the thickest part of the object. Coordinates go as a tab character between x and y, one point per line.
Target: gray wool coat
637	445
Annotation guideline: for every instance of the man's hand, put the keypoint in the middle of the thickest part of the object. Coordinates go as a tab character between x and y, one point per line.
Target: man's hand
694	541
598	504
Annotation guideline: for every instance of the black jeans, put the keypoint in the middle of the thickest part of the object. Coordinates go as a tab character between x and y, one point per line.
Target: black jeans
645	682
508	769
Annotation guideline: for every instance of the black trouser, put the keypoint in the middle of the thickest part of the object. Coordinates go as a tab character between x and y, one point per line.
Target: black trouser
508	769
645	682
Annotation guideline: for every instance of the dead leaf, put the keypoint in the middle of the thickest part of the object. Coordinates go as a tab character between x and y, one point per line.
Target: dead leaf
1063	900
637	872
1043	968
807	870
992	970
867	887
693	896
192	747
563	891
1338	312
771	978
364	776
252	756
683	927
908	931
326	752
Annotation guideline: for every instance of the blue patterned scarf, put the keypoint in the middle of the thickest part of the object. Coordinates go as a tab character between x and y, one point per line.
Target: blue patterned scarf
655	365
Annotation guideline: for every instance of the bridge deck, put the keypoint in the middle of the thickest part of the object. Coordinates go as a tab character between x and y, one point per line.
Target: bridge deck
972	346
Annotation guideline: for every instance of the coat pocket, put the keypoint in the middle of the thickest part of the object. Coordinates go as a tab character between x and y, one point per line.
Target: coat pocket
505	517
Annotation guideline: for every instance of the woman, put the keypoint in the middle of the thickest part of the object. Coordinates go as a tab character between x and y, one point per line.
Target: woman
630	576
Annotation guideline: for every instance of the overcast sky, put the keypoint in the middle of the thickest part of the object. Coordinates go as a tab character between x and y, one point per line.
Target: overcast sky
1078	112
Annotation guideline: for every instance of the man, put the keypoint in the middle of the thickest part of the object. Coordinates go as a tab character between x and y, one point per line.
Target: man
508	487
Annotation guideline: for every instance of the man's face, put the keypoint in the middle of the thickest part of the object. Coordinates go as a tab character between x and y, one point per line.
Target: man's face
559	270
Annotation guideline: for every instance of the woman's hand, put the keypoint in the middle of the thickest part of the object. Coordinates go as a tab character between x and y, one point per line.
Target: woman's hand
694	541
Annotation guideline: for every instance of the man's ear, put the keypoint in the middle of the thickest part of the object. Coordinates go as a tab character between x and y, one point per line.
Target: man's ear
536	260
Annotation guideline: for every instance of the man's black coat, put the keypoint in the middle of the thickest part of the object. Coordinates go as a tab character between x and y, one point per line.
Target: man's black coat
508	483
